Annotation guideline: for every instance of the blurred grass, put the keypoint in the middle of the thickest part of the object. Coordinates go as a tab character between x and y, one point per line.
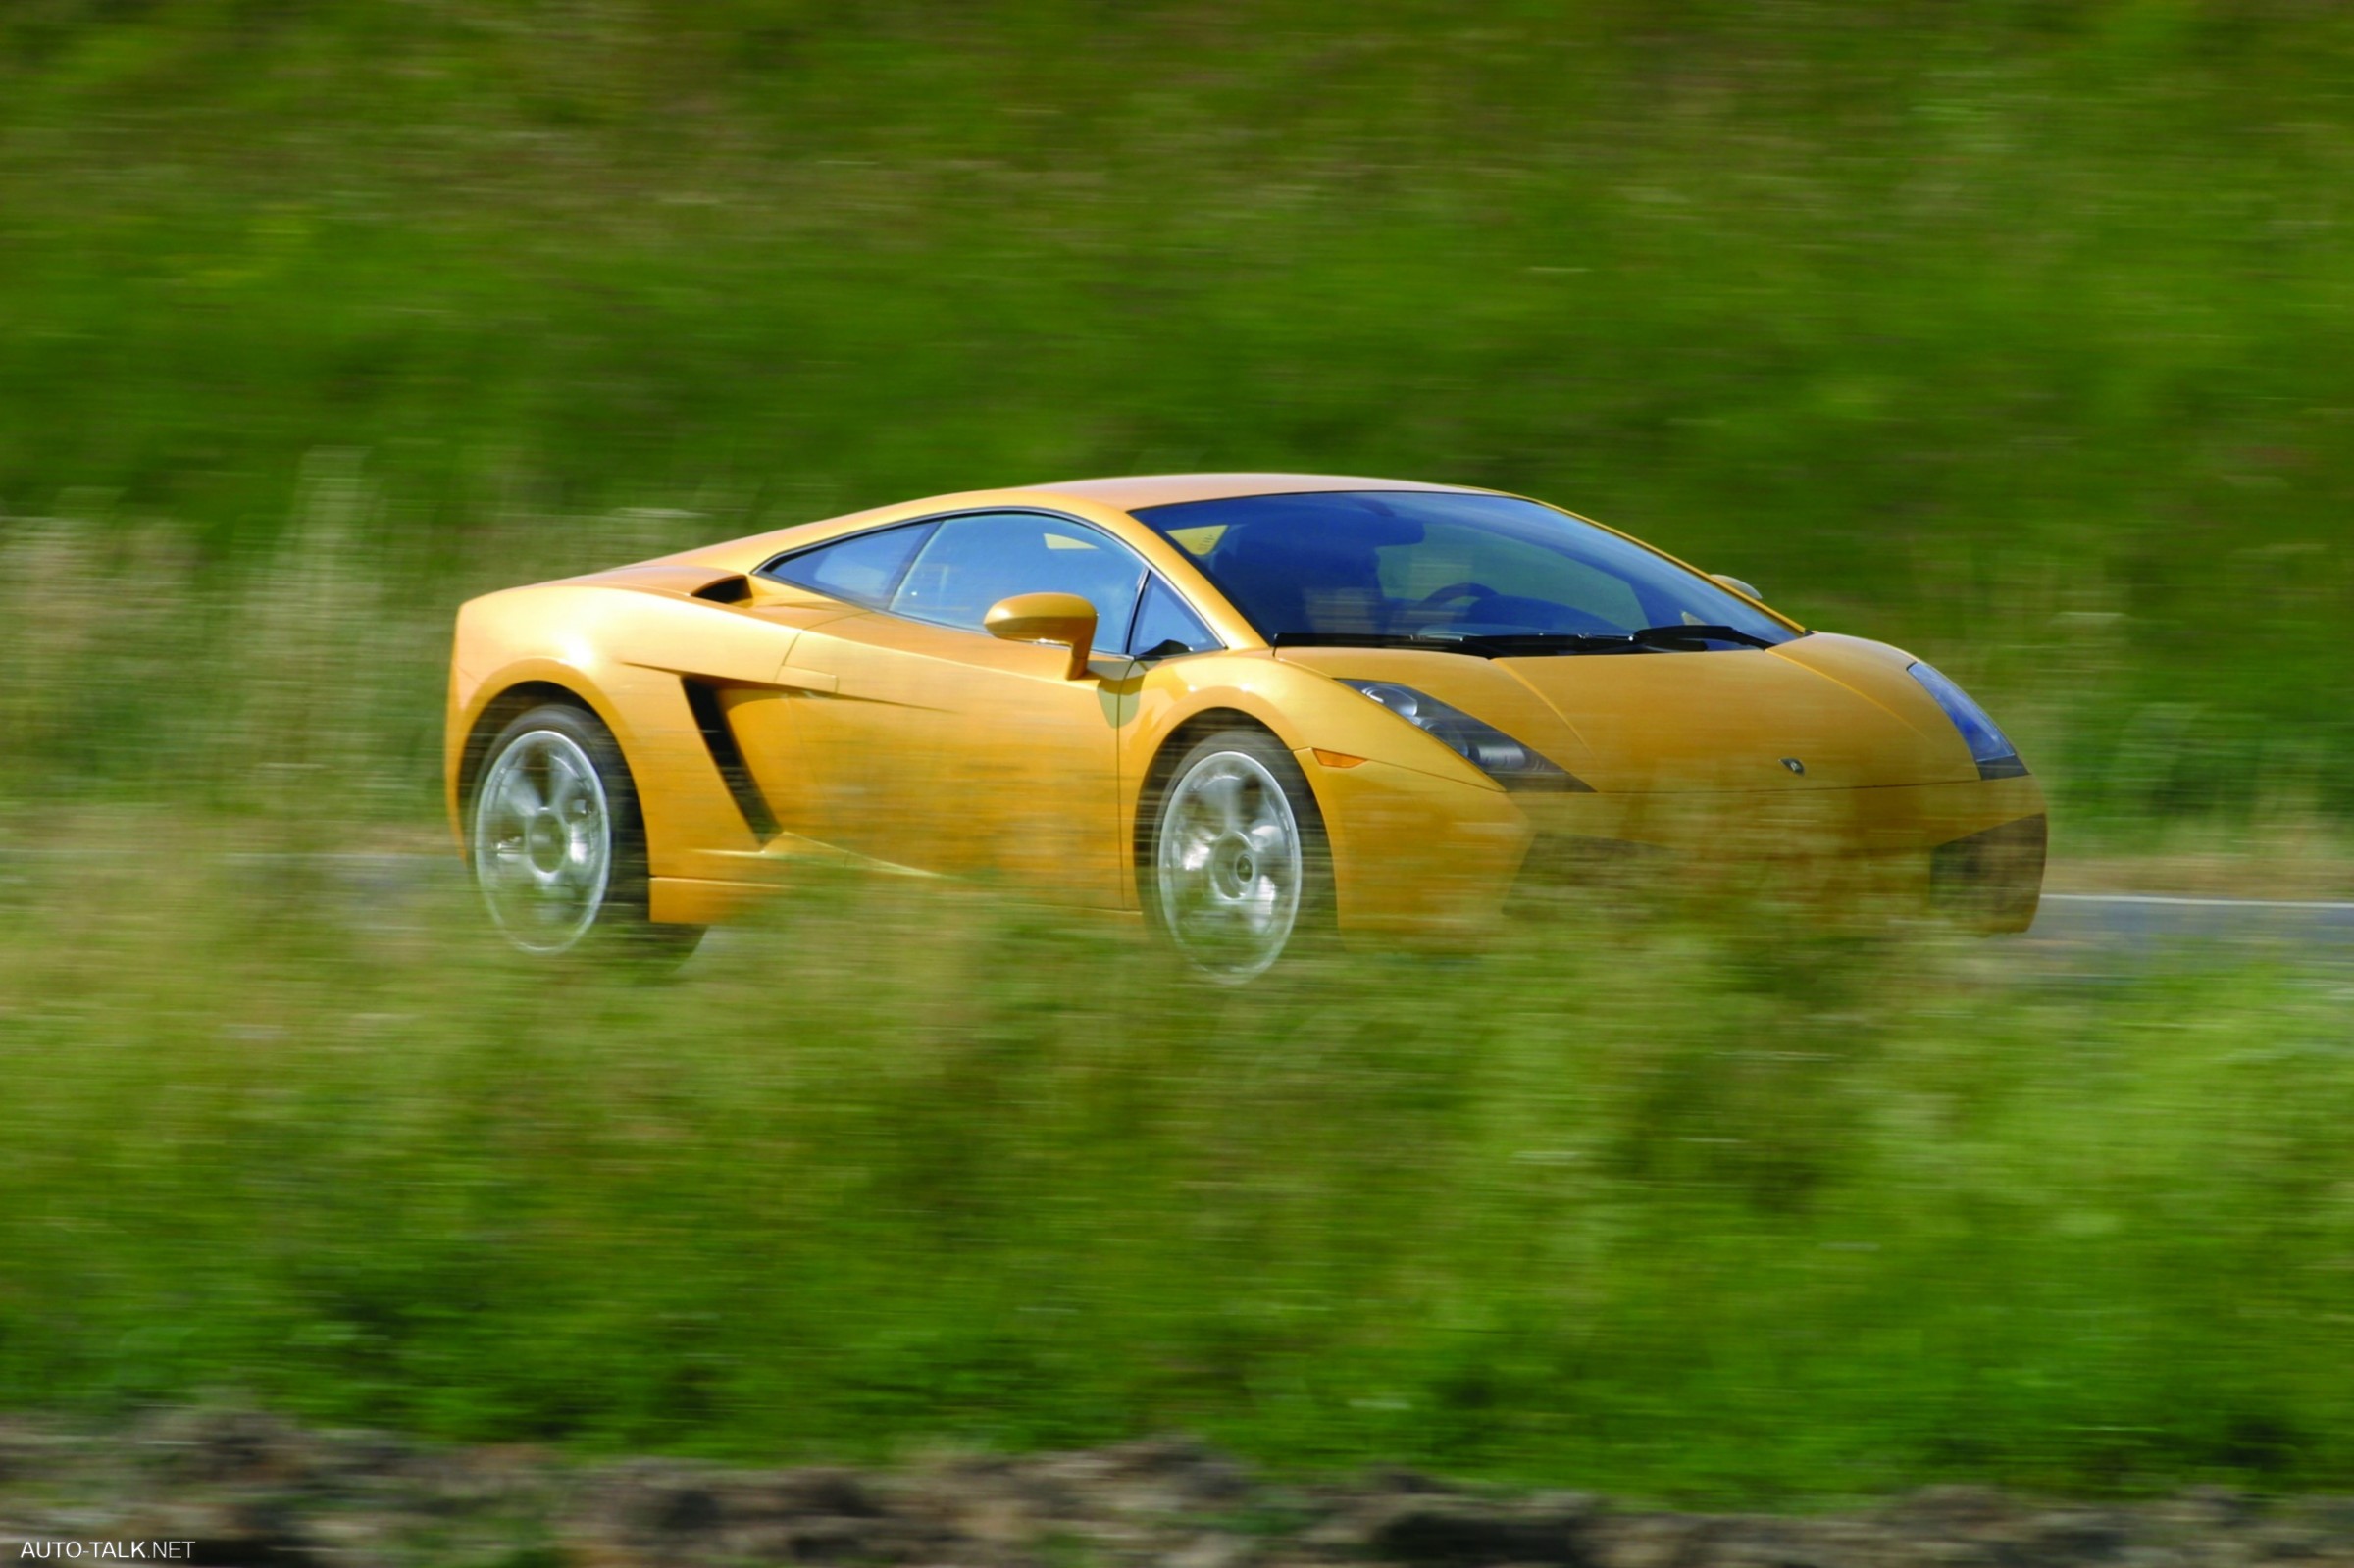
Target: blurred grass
2011	332
1723	1213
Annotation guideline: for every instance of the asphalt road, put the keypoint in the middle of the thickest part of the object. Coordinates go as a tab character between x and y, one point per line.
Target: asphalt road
2159	921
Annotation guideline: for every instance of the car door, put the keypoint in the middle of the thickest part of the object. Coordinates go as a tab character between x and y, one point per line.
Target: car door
945	749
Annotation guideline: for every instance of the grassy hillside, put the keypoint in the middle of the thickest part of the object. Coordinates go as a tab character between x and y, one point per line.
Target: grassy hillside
2017	334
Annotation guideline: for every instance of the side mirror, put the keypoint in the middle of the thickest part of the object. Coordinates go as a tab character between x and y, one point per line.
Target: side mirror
1737	585
1062	619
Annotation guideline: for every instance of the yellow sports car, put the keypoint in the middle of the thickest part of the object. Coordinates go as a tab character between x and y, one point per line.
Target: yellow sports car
1246	706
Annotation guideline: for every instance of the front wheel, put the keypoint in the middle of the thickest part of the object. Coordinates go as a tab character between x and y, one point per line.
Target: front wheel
1240	870
557	842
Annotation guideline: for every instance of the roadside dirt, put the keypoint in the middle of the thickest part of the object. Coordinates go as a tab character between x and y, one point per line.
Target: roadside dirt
248	1489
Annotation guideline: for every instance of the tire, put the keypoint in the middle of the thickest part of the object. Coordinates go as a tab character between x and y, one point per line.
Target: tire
1237	875
556	842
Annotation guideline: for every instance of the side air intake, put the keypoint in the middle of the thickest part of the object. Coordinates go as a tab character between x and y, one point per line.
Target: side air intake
734	589
719	738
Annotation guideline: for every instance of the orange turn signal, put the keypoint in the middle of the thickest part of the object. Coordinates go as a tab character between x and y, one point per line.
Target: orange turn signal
1336	759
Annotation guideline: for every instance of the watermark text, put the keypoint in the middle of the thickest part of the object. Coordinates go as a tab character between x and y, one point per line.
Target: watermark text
107	1551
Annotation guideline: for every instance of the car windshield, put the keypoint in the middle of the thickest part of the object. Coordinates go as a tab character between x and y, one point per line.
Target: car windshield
1439	563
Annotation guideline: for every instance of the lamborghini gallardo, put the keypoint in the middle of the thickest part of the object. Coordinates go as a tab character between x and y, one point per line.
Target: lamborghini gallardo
1254	710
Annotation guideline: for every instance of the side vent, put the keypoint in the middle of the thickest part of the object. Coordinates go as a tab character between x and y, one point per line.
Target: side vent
734	589
719	738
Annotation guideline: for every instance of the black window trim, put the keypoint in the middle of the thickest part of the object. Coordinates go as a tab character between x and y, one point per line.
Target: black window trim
1136	609
933	520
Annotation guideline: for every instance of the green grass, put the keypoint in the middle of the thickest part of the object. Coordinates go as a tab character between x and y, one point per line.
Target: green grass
2015	333
1735	1214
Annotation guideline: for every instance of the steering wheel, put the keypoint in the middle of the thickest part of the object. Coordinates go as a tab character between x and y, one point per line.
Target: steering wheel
1476	592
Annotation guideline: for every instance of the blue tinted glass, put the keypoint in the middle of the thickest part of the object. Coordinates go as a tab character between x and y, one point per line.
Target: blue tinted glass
973	561
1165	625
862	569
1436	563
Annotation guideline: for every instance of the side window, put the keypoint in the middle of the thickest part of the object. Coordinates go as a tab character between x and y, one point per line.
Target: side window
862	569
972	562
1165	625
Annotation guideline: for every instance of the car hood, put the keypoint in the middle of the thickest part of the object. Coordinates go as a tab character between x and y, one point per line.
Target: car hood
1841	708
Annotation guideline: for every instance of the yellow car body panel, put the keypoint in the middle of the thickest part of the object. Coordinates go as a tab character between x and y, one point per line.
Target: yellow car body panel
764	723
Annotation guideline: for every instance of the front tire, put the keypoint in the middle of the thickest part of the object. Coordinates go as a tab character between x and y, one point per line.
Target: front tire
556	842
1240	873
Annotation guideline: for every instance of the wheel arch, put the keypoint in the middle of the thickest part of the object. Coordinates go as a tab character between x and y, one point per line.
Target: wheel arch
494	713
1173	746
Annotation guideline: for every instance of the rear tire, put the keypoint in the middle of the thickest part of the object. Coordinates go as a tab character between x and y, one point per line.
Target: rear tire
556	842
1239	874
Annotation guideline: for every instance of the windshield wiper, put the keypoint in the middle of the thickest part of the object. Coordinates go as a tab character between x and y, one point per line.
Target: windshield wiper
1644	639
1483	647
1653	636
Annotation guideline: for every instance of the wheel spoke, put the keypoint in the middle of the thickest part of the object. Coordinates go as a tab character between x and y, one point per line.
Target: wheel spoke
511	866
518	795
567	782
1220	796
1269	841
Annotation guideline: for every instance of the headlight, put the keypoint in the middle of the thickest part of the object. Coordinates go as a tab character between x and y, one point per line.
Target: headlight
1989	747
1486	747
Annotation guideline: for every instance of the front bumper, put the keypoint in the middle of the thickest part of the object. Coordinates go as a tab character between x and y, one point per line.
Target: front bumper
1972	852
1417	856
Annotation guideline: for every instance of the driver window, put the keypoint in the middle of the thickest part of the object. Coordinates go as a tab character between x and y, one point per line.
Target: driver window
972	562
1451	554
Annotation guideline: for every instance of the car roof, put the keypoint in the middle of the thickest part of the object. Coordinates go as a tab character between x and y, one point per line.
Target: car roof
1130	491
1126	493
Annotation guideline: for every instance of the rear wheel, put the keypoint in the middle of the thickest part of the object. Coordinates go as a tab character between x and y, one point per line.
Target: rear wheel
1240	872
557	842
